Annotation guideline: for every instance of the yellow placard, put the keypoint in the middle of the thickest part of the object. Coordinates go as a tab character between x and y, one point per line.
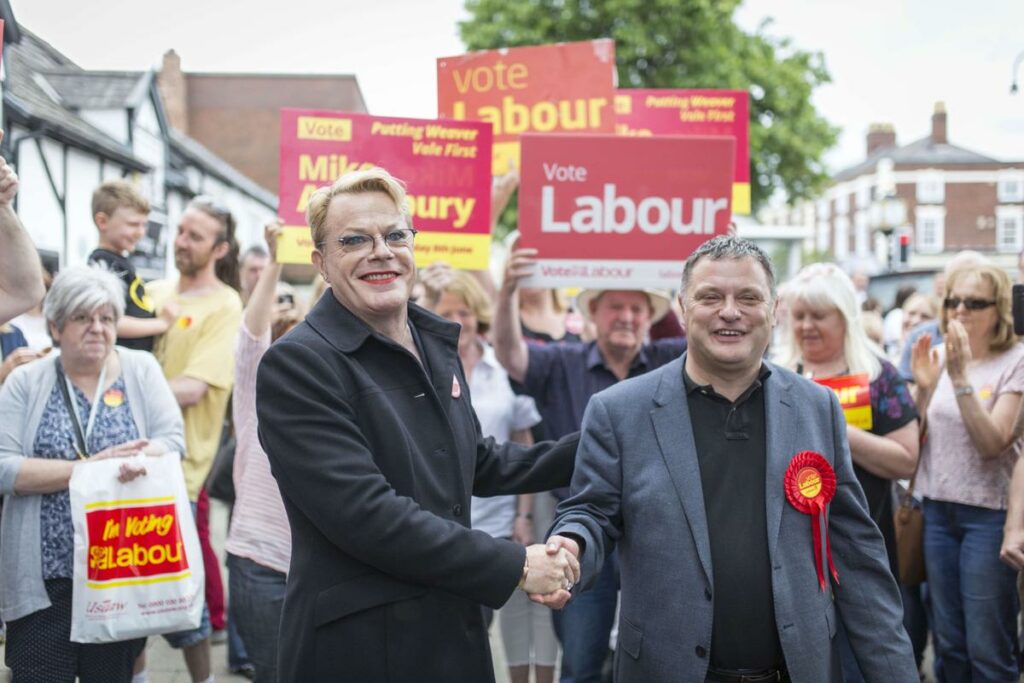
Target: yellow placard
295	245
466	251
741	198
859	416
324	128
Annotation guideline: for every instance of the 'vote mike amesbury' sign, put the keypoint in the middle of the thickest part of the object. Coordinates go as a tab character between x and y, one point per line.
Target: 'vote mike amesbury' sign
618	212
644	113
562	88
446	166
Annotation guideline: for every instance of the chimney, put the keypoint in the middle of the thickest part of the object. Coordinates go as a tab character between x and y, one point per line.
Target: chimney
939	136
174	91
880	135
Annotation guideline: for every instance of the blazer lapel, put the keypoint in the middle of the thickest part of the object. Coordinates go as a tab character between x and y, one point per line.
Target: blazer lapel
674	432
779	417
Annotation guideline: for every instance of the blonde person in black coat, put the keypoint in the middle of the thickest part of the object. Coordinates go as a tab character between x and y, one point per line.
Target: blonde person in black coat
364	412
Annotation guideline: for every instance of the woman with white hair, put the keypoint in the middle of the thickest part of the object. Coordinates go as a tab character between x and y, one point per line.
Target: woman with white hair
92	402
827	340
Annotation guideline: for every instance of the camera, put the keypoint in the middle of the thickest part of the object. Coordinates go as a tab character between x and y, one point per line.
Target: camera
1018	310
289	299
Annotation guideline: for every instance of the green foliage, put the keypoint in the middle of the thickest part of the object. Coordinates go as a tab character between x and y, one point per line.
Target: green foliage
688	44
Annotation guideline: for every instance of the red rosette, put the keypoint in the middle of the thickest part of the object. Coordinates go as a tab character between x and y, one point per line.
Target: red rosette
810	484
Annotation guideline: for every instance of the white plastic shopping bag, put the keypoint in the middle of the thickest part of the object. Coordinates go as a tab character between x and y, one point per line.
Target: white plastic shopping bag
138	566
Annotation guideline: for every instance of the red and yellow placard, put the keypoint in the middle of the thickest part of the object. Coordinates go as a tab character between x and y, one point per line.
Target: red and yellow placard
810	484
609	212
563	88
139	541
445	165
854	394
646	113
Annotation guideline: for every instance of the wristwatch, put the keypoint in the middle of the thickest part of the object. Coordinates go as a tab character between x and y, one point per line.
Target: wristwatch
963	391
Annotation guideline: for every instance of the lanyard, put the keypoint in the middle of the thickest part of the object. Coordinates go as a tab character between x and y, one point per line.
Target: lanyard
67	389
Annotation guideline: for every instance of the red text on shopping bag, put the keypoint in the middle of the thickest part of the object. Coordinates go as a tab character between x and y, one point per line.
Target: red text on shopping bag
854	394
619	212
134	541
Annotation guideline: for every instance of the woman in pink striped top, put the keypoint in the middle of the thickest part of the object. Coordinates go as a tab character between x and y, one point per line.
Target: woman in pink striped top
259	539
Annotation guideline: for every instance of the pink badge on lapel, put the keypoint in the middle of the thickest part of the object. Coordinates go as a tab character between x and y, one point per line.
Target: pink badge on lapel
456	389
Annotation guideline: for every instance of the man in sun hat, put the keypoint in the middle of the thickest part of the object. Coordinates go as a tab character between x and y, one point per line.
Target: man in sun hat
561	378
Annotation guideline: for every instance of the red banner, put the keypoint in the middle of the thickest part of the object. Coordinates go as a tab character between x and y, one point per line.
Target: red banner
645	113
854	394
608	211
445	165
563	88
136	541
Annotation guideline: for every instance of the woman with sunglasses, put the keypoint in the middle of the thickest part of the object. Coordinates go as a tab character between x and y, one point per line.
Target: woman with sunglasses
970	389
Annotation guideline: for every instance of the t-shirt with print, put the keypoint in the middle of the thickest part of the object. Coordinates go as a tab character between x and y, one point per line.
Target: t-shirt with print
952	469
136	304
200	344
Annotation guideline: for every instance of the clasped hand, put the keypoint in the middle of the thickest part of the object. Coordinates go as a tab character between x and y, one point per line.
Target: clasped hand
553	570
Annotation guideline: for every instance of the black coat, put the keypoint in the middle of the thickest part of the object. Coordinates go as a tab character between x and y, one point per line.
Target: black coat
376	463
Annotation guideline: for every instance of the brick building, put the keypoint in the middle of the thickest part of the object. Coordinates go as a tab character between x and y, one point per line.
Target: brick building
941	197
236	115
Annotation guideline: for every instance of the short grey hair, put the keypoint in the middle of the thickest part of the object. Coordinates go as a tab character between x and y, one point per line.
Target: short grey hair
83	289
729	247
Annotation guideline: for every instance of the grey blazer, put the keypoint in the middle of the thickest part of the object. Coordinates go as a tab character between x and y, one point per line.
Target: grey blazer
637	486
22	400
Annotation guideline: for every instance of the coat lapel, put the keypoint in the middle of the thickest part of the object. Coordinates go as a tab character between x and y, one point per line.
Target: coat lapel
779	417
674	432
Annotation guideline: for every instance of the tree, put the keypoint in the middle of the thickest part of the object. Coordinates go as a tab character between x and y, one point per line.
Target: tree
689	44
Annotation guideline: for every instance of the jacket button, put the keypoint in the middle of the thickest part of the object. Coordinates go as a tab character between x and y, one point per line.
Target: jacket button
457	510
701	652
707	593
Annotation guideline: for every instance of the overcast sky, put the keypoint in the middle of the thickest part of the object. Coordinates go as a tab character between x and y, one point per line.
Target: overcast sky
890	60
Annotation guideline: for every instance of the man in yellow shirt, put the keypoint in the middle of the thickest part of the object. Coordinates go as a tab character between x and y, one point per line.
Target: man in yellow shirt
197	357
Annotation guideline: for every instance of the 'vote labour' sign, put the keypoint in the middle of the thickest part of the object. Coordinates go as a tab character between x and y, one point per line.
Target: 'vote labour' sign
854	394
446	166
563	88
645	113
619	212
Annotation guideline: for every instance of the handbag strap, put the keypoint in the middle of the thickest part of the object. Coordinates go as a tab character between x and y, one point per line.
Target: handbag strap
83	452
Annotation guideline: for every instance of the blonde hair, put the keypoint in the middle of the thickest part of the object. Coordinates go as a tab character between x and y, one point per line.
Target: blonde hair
356	182
116	194
1003	337
824	286
469	290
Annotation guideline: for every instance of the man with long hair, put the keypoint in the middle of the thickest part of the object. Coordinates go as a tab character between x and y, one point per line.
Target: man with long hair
197	357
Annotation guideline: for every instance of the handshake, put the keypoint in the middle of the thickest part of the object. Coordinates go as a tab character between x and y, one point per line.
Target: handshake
551	571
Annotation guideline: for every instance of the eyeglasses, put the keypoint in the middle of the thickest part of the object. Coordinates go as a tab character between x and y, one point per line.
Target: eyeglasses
970	303
395	239
88	319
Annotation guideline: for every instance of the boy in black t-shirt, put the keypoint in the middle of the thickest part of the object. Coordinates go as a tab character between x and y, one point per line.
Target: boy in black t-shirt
120	214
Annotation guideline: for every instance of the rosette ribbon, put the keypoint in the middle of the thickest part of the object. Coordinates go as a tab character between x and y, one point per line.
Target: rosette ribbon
810	484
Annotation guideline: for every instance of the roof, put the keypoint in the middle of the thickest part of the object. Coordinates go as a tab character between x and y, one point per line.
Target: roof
923	152
197	154
28	101
99	89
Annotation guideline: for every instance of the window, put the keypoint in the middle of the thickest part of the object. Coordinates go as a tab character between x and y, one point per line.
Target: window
863	196
1009	228
931	229
1011	186
822	209
823	235
861	238
842	245
842	204
931	187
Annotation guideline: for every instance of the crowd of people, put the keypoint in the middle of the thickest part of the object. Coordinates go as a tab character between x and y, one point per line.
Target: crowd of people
415	450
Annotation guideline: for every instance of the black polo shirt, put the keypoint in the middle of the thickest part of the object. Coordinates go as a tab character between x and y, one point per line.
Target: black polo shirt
731	451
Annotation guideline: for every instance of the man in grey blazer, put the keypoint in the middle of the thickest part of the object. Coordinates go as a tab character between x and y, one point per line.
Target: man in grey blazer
683	469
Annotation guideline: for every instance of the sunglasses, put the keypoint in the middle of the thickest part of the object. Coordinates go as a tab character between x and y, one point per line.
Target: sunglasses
969	303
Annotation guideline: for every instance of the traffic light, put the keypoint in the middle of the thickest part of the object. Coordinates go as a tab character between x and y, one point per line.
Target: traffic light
902	250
